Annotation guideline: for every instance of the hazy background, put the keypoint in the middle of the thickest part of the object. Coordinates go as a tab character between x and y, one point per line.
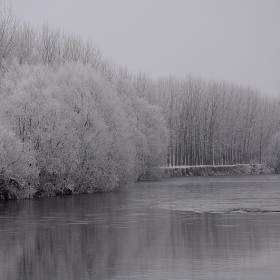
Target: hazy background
236	41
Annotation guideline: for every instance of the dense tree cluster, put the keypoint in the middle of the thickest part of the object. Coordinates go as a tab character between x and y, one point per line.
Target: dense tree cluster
67	111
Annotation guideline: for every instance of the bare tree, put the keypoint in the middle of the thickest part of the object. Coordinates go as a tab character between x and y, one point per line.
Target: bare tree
8	30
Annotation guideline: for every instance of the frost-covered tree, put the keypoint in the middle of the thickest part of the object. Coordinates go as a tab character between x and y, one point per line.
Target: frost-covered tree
17	159
272	152
150	131
8	31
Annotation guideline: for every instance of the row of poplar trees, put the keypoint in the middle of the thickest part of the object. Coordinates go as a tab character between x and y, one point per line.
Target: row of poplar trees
215	123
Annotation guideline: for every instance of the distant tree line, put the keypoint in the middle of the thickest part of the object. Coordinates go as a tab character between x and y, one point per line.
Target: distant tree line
67	110
214	123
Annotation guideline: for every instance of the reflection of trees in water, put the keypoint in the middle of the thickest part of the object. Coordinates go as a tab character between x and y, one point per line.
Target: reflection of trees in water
216	235
97	236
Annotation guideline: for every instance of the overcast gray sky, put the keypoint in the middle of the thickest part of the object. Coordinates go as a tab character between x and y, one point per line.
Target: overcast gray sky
231	40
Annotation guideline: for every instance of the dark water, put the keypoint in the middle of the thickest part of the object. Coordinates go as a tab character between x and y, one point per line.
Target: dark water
183	228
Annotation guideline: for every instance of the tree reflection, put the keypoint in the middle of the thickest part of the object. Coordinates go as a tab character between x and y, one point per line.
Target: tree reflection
98	237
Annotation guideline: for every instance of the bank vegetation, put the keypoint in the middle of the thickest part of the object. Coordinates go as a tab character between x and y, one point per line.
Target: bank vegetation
71	121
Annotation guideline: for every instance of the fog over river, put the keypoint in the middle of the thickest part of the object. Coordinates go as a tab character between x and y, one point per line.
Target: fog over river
221	227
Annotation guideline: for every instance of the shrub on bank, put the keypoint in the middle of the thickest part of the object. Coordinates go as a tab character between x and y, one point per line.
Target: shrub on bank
18	171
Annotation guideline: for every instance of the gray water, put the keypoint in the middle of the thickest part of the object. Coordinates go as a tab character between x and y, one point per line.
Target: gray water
224	227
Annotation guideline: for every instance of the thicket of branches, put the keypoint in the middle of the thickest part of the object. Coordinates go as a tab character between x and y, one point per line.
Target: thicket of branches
66	110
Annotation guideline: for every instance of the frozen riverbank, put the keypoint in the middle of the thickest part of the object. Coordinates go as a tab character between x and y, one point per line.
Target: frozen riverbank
211	170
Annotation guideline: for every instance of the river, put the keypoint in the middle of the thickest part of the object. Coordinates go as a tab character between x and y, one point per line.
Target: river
220	227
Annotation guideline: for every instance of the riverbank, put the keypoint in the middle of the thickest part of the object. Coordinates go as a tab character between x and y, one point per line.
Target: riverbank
52	186
212	170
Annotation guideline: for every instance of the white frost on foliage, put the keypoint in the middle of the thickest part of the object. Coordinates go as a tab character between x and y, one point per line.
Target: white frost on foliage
74	121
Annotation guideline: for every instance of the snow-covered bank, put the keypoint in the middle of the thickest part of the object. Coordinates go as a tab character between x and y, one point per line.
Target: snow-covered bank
211	170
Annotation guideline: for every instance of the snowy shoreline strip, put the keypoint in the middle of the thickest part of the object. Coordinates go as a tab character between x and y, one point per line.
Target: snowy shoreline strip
211	170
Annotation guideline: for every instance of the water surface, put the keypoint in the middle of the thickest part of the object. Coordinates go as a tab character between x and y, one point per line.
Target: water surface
224	227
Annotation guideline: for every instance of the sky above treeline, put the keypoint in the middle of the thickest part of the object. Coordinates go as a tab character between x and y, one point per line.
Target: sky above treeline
230	40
